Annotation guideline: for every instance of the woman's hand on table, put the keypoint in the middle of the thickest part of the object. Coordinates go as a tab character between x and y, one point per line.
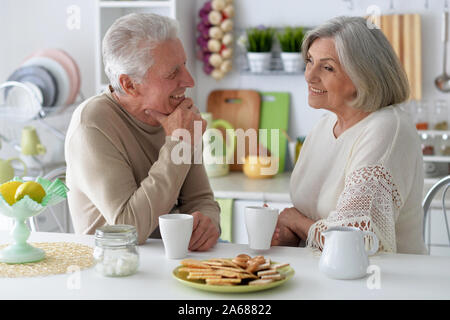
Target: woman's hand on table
292	226
283	236
204	233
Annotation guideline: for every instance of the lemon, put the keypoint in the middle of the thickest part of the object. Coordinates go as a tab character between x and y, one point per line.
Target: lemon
33	189
8	191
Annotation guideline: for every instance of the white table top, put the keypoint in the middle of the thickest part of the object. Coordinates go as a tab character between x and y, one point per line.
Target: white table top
237	185
402	277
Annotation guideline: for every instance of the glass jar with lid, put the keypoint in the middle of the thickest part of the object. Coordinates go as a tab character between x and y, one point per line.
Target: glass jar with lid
445	145
427	144
422	115
440	115
116	253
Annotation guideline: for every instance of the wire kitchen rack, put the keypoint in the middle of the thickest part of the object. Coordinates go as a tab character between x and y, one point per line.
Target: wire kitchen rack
13	119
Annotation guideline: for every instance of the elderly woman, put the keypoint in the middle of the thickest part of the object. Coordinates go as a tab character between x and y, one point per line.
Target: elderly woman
361	165
119	145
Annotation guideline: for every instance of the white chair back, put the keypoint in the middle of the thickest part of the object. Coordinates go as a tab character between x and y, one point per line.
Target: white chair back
59	213
444	184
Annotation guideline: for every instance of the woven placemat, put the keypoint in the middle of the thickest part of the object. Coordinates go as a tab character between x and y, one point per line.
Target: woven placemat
60	257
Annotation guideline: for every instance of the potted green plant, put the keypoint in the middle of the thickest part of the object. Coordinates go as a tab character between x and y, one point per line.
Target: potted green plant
290	40
259	48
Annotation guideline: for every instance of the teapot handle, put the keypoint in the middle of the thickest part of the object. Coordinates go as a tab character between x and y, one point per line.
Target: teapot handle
229	131
23	163
374	248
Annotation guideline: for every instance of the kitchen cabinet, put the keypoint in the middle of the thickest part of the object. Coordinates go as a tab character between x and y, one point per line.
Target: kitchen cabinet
108	11
436	232
47	222
439	140
435	228
250	192
237	186
436	154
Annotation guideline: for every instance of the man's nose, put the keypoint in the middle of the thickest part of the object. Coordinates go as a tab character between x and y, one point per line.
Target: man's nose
187	80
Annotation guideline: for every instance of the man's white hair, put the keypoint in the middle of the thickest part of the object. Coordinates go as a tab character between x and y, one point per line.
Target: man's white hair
128	43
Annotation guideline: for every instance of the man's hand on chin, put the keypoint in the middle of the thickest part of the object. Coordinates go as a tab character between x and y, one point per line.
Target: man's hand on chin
204	234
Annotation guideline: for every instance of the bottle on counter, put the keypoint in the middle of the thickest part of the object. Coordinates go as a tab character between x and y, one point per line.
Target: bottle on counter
300	141
116	252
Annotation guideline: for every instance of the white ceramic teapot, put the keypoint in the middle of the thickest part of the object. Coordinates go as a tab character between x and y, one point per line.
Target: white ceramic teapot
344	255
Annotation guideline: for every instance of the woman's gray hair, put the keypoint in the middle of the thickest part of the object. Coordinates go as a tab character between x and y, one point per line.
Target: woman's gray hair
128	43
368	59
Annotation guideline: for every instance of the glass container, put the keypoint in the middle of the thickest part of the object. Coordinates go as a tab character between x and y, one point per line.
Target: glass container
445	145
440	115
427	144
422	115
116	253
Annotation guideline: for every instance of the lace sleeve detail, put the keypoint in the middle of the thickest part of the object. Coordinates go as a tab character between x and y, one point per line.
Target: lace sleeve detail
370	201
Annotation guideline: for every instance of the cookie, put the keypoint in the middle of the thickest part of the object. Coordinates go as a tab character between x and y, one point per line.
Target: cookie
223	281
278	266
273	277
266	272
239	270
192	263
260	282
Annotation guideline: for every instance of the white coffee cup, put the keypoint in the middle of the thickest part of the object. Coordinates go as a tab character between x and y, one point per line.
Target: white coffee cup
260	223
176	231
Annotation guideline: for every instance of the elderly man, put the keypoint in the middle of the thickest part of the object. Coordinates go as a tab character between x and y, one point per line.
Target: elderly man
119	143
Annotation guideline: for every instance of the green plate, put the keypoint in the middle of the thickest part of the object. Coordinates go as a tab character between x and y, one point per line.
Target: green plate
287	271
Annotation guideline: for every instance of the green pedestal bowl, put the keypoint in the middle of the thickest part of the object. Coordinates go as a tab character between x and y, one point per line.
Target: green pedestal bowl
20	251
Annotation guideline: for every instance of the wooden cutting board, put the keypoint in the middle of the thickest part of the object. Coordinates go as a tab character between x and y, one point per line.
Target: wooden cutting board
404	33
241	108
275	115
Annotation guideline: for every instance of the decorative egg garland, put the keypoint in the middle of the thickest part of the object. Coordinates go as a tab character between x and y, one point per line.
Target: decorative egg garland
215	37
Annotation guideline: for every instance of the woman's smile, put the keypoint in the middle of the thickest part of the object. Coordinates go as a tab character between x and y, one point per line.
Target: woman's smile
316	92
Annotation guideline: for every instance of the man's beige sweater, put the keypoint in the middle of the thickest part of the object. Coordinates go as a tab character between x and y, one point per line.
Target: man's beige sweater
119	171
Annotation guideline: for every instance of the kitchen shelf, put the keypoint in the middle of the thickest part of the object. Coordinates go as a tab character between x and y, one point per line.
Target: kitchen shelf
276	64
276	67
432	181
436	158
269	73
434	132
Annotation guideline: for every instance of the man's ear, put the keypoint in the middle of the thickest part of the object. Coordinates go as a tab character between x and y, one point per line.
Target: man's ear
128	85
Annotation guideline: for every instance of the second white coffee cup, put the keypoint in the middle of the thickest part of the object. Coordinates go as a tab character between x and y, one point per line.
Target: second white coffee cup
176	231
260	223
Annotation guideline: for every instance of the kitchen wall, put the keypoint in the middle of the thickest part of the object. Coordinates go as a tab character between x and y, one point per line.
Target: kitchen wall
27	25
